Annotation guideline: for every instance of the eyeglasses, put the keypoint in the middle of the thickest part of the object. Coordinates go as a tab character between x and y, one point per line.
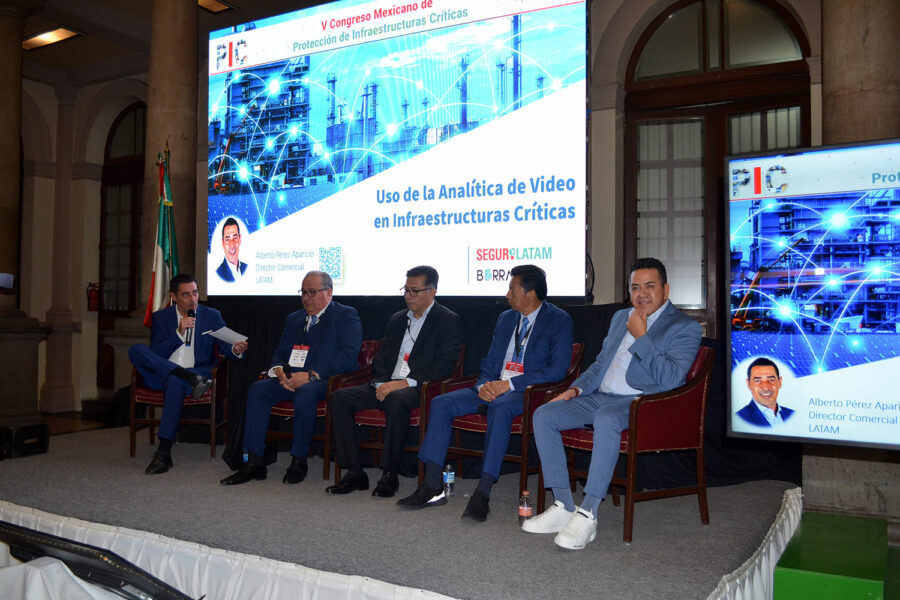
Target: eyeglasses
311	292
413	292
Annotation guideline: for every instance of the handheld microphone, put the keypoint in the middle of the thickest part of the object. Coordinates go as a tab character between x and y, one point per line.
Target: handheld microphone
189	333
286	367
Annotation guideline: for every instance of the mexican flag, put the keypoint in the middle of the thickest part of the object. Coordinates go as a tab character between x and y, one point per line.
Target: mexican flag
165	255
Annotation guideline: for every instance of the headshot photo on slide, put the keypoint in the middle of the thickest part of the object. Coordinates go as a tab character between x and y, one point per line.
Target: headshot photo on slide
764	380
228	245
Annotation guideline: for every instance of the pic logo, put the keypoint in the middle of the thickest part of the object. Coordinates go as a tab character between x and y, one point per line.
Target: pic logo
774	180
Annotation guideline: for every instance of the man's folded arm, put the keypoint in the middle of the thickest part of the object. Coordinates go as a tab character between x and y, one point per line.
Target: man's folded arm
668	366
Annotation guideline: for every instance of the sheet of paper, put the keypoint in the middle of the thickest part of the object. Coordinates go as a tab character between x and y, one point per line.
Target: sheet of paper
226	335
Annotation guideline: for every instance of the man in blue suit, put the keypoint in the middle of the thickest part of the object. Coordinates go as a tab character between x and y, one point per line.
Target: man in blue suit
231	268
764	383
649	349
179	359
532	343
319	341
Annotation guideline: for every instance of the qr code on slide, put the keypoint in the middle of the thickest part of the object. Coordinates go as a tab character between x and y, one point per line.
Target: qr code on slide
331	261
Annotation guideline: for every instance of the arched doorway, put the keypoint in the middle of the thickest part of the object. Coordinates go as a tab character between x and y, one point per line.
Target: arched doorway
120	215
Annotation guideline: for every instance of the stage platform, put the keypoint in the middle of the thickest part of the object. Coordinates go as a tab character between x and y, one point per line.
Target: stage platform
89	476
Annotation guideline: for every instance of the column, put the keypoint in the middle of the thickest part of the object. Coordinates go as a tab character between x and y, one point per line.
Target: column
58	392
12	22
172	117
861	101
19	335
860	70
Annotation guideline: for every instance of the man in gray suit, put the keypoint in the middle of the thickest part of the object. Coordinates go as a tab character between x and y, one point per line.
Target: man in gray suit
649	349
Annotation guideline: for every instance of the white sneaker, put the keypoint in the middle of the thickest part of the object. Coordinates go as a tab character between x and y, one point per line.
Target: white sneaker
550	521
578	532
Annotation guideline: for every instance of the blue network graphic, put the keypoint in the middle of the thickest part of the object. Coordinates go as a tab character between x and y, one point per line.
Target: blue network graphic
815	280
286	135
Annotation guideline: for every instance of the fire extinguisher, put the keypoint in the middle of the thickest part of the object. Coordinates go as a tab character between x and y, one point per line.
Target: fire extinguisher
93	296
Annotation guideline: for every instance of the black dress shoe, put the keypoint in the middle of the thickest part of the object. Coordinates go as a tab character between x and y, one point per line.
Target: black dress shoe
160	464
387	486
350	482
477	509
199	385
245	474
422	497
296	472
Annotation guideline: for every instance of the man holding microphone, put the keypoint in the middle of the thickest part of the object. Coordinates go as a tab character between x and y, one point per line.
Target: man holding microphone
179	361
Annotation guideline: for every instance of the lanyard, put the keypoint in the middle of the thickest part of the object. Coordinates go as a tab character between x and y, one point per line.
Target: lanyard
409	330
520	345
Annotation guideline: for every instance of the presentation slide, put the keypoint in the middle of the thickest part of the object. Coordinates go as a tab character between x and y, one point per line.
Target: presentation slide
815	295
364	138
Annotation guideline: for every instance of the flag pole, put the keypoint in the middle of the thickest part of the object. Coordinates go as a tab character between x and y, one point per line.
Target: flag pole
165	253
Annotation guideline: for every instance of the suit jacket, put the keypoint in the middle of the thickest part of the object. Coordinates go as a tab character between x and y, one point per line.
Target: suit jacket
434	352
224	272
547	355
164	338
660	358
751	414
333	341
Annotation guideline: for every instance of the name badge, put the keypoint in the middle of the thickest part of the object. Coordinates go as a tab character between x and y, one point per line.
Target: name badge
404	368
513	369
298	356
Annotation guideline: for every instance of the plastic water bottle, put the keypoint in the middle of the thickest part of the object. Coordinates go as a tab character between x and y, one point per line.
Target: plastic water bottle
449	480
525	511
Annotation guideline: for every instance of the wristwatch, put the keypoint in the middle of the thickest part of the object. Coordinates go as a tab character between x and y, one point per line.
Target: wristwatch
313	376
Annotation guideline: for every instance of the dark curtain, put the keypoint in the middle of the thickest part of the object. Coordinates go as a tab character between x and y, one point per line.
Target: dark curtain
728	460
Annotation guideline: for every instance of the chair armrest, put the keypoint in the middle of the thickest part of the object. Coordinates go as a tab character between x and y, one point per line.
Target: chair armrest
458	383
539	394
220	376
358	377
429	391
669	420
433	387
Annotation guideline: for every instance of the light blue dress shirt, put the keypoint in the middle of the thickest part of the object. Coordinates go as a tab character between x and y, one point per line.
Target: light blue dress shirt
614	382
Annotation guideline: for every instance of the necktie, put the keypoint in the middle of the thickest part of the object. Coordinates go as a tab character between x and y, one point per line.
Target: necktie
312	321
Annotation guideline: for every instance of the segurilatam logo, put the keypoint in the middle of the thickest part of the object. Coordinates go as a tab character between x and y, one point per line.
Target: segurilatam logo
515	254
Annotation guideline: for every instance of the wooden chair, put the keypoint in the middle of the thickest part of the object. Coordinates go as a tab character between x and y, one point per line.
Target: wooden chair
367	351
671	420
376	421
535	395
216	396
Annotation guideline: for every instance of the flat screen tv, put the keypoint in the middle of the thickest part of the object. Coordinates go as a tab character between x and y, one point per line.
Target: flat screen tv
815	294
362	138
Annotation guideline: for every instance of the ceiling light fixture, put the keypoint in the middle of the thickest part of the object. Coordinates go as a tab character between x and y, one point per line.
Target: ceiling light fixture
214	6
48	37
